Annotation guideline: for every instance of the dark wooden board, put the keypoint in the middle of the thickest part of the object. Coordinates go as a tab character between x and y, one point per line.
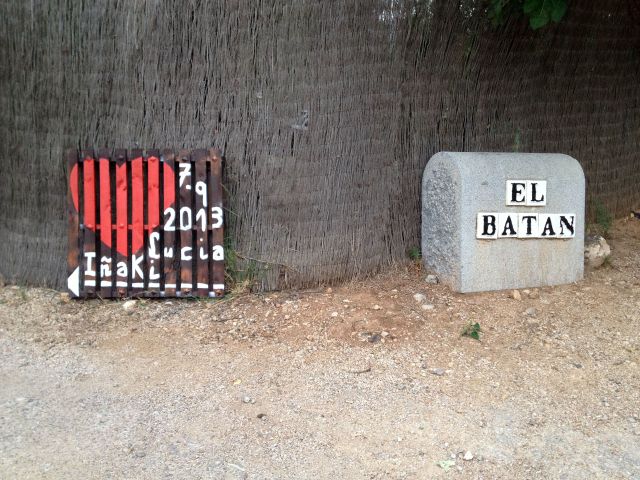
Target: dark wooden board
74	249
145	223
153	246
201	222
216	216
105	231
122	224
184	221
89	224
171	255
136	230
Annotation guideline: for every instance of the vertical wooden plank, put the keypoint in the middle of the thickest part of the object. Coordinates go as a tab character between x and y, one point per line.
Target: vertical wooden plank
216	217
170	255
153	248
106	262
114	222
122	223
124	219
137	223
201	223
184	222
74	250
89	228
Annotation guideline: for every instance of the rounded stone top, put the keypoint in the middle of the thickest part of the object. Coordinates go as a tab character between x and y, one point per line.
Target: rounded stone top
503	164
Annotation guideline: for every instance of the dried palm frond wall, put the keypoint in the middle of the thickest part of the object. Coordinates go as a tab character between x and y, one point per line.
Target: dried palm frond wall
326	112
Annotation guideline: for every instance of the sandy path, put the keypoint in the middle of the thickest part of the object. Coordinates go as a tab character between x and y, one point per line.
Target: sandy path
328	384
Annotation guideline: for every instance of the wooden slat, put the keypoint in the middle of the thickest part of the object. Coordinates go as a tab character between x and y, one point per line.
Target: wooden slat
90	261
153	255
201	223
106	231
216	257
73	253
122	224
170	255
114	221
123	216
184	221
136	246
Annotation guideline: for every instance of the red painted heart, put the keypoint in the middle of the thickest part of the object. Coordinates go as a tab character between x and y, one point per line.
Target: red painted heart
137	239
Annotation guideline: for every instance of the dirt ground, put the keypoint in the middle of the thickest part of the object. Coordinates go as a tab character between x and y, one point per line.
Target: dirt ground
360	381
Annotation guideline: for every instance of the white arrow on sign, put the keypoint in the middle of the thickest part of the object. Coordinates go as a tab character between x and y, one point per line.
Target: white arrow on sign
73	282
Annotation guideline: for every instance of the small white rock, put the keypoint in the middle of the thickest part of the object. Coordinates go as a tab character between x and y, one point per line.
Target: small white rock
467	456
377	307
432	279
334	314
596	250
516	295
427	306
419	297
129	304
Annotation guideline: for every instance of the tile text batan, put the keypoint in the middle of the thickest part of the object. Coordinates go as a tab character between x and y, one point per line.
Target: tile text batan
525	193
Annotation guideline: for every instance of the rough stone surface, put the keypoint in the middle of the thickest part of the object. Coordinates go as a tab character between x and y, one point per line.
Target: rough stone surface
596	251
456	186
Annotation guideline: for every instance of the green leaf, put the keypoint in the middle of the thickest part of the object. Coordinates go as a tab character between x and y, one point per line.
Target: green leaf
558	10
540	20
446	464
496	13
532	6
472	330
539	12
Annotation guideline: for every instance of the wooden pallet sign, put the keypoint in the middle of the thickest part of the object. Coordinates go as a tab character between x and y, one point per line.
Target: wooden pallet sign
145	224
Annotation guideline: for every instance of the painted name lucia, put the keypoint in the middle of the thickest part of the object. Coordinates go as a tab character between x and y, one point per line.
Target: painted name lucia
137	261
530	193
185	223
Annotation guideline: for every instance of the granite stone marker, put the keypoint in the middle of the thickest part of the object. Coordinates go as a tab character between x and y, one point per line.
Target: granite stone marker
493	221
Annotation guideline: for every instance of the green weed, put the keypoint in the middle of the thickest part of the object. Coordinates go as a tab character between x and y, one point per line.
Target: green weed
604	219
471	330
414	254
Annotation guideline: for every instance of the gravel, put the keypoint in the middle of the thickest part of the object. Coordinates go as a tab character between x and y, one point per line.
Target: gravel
273	387
419	297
